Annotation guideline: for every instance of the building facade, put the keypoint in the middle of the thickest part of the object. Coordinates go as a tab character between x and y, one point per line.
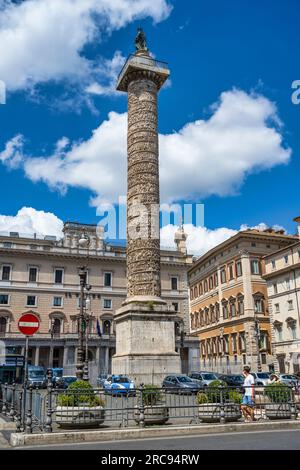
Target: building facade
228	302
41	276
282	274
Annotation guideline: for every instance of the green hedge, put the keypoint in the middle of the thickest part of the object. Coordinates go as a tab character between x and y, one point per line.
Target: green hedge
278	392
79	393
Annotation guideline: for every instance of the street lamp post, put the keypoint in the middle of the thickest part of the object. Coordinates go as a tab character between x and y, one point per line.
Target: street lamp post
51	331
257	339
87	325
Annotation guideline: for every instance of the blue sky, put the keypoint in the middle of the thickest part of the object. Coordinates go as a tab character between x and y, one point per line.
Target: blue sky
248	50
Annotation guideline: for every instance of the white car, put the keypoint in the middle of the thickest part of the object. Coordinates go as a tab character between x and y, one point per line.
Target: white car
261	378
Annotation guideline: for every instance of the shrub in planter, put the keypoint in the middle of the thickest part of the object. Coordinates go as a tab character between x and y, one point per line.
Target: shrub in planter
280	395
79	406
155	411
209	402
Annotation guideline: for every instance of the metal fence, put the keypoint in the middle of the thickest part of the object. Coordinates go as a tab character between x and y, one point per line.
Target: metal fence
38	410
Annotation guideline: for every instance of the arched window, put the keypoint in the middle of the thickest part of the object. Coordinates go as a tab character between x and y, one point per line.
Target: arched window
196	292
56	326
3	324
106	327
200	289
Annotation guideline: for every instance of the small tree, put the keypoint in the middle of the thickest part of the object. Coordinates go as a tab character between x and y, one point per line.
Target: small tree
278	392
80	393
151	394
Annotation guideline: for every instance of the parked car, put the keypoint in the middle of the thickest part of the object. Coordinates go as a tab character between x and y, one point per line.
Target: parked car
233	380
65	381
119	385
101	379
205	378
57	373
37	377
261	378
181	384
288	379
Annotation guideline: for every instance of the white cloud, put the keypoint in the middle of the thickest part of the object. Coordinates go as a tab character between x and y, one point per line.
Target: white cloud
29	221
201	239
205	157
43	40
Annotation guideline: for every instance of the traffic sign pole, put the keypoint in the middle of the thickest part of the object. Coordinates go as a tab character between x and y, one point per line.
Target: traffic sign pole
28	324
25	381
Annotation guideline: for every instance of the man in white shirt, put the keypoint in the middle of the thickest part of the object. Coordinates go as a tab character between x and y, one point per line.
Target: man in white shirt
247	406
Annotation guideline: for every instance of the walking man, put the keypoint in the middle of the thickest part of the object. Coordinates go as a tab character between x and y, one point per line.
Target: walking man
247	406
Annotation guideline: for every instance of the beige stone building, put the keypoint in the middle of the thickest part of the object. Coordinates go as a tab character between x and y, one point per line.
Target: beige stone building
41	276
228	301
282	274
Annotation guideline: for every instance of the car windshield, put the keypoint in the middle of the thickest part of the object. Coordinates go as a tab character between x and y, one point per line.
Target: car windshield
263	375
57	373
184	379
36	374
209	376
237	378
121	380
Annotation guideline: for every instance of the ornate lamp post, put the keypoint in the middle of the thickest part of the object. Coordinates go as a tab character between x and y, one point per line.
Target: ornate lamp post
51	331
83	242
257	336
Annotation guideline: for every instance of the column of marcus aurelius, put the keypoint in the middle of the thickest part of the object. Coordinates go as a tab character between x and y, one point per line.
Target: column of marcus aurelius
145	337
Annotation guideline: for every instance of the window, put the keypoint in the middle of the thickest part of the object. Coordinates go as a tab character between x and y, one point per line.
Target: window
107	280
275	289
290	305
255	266
211	283
232	309
174	283
278	333
292	328
273	264
225	310
259	305
56	327
238	268
175	305
240	301
107	303
253	244
216	280
4	299
106	327
205	286
276	308
3	324
263	358
287	284
58	276
230	269
299	254
286	259
57	302
6	270
7	244
200	289
31	300
223	275
32	274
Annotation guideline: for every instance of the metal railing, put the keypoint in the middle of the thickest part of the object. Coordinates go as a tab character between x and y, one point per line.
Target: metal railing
143	60
38	410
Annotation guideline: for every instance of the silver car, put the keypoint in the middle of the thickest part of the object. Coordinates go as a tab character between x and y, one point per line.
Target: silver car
203	378
288	379
261	379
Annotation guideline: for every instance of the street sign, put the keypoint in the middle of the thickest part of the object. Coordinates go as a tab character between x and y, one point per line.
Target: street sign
28	324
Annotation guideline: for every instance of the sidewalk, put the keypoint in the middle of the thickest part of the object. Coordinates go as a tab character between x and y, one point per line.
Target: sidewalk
102	435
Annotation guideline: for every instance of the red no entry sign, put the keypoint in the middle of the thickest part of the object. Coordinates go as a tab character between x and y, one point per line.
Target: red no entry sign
28	324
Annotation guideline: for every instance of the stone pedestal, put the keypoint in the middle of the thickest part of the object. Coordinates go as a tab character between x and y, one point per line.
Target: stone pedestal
145	343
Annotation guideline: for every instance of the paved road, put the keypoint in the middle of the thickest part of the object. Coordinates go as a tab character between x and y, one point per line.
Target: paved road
262	440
